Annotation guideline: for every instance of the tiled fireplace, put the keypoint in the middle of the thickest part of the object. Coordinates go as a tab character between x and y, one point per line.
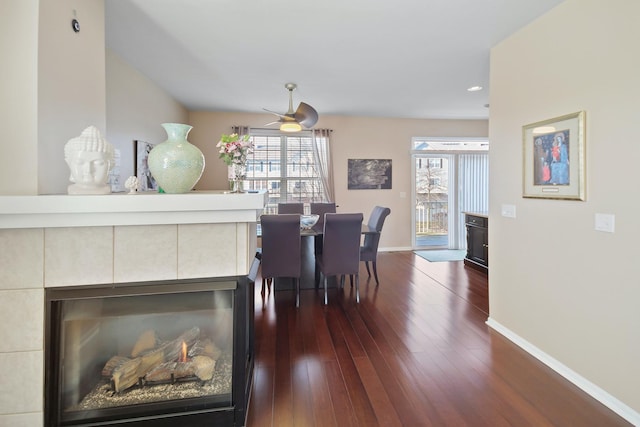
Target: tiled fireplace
57	243
174	352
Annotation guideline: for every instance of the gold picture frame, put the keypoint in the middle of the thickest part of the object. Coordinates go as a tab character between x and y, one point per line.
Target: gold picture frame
554	158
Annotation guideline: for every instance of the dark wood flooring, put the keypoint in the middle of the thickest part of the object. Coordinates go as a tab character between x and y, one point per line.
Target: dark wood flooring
415	352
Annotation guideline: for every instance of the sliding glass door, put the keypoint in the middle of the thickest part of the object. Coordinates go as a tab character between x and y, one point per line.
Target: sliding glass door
450	177
431	200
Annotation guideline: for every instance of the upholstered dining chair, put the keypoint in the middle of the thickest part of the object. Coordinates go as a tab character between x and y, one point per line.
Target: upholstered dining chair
369	248
341	249
321	209
291	208
281	251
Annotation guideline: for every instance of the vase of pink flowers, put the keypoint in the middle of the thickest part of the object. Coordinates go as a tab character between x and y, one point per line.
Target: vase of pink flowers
234	150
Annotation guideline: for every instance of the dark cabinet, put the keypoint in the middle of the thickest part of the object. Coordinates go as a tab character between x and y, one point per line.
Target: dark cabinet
477	241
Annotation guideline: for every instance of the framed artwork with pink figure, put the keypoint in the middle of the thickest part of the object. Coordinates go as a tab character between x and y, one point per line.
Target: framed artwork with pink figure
554	158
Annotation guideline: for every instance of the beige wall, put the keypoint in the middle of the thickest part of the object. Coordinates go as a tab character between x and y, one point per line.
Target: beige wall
556	283
352	138
71	83
19	97
135	109
59	82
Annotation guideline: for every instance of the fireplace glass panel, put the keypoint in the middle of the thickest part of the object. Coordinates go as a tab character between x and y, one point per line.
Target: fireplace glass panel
144	347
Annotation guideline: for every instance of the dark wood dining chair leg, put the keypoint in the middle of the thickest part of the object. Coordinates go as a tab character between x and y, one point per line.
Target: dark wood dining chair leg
297	280
358	288
366	264
375	272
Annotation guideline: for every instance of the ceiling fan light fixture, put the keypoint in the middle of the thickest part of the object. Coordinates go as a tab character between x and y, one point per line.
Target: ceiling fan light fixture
293	121
290	127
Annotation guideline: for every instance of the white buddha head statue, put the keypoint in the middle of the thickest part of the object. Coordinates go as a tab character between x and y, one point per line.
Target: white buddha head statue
90	158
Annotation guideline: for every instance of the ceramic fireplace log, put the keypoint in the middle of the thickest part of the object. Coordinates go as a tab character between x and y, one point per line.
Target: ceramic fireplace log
205	347
161	373
125	375
130	372
148	340
201	367
112	364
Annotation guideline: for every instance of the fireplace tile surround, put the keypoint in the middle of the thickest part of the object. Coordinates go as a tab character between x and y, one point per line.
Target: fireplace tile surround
213	235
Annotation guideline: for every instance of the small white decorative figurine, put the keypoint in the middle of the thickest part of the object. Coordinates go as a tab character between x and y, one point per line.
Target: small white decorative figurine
131	184
90	158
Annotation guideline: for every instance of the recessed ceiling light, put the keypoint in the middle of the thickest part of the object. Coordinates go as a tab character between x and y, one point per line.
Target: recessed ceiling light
474	88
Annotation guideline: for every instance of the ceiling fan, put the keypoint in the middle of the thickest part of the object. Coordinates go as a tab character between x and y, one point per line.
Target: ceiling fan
305	115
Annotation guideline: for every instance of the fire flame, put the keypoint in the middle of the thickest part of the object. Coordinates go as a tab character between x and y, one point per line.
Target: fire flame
183	353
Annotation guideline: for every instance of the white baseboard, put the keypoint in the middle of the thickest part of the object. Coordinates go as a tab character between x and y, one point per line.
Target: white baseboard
587	386
396	249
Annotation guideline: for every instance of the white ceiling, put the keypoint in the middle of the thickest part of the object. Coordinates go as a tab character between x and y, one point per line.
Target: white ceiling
400	58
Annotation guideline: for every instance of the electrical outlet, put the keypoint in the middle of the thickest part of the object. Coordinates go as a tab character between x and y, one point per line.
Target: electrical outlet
605	222
508	211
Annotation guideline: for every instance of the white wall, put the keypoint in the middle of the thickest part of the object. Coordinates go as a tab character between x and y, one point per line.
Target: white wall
352	138
556	283
136	107
19	97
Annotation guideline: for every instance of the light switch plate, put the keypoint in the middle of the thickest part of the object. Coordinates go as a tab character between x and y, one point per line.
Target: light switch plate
605	222
508	211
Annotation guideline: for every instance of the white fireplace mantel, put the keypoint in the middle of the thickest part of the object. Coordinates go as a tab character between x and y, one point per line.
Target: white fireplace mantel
196	207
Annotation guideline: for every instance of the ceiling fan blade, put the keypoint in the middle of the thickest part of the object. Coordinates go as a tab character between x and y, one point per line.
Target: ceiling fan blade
277	114
284	118
306	115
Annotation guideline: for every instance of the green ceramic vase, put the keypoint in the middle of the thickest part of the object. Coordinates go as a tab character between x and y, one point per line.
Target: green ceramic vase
176	164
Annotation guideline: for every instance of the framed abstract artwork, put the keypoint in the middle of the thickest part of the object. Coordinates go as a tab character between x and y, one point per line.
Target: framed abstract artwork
554	158
368	174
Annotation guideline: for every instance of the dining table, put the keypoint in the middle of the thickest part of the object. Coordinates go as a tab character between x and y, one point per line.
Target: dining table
309	274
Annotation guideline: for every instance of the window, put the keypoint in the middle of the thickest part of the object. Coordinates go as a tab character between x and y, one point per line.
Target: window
435	163
285	166
430	163
450	144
